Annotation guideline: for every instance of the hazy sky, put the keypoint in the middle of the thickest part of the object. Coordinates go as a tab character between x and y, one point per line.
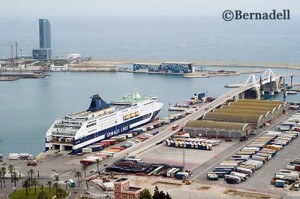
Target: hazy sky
139	7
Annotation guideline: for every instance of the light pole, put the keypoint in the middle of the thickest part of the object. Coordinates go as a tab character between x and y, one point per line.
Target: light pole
16	50
20	53
183	159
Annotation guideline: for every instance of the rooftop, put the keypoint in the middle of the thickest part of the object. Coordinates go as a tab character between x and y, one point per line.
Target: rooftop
131	99
133	189
121	179
216	125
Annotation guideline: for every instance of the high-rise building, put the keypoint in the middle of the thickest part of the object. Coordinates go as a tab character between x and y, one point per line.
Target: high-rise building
44	52
45	33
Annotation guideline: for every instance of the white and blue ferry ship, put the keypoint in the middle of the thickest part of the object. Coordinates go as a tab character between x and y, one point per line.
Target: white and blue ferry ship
100	121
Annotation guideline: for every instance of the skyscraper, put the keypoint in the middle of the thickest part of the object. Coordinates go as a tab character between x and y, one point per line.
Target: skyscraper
45	33
44	52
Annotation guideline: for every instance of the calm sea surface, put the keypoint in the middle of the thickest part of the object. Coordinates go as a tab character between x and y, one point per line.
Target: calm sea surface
29	107
188	38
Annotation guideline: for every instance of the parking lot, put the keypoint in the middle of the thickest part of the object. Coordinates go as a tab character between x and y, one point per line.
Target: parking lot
170	155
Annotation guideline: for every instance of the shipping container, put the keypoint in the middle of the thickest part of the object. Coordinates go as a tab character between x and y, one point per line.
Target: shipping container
232	179
219	174
181	175
243	176
247	171
279	183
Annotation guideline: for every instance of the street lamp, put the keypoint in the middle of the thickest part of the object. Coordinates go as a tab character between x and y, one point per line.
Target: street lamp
66	185
21	53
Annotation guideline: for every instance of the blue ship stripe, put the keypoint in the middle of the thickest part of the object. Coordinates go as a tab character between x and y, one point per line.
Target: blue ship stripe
110	132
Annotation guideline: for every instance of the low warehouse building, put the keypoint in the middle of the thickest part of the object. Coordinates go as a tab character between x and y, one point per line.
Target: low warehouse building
265	113
281	107
256	120
217	129
273	110
285	105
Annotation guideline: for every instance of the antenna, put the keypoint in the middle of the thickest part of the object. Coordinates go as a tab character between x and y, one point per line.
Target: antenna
16	50
284	90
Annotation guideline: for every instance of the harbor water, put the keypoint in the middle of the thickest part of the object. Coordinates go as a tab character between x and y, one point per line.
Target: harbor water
29	106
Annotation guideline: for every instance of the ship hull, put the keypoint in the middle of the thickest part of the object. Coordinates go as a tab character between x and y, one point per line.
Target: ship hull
124	127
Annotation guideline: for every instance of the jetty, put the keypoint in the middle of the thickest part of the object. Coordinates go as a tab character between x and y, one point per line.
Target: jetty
11	76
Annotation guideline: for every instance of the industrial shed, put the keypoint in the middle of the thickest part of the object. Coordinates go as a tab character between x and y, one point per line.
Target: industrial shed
280	107
265	113
284	105
256	121
273	110
217	129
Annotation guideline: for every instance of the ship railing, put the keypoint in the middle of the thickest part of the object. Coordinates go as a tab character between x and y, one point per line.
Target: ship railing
61	142
64	133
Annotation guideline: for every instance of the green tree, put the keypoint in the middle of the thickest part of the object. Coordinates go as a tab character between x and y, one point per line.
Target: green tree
78	175
56	179
11	169
42	195
145	194
49	183
98	164
31	173
156	193
61	193
87	184
1	178
35	183
42	187
15	178
84	168
3	171
168	196
162	195
26	185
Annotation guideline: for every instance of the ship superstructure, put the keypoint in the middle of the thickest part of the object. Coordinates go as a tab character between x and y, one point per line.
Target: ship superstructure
100	121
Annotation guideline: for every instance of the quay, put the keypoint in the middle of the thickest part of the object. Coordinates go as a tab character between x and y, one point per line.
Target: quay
66	165
10	75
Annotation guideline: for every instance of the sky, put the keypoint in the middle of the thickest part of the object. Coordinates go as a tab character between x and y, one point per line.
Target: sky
40	8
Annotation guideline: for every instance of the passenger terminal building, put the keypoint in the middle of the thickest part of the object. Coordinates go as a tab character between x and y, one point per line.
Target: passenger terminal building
165	67
237	119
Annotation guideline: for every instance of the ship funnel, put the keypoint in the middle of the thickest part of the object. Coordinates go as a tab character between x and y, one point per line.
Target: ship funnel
97	104
136	95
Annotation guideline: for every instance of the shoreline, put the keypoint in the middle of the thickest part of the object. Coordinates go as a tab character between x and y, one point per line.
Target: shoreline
207	63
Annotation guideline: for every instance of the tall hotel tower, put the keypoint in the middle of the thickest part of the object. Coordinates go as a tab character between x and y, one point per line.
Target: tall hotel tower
44	52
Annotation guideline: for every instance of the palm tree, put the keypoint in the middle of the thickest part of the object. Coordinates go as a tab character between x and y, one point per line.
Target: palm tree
84	168
1	178
87	184
15	178
56	179
42	187
61	193
98	163
78	175
42	195
26	185
31	172
11	169
34	182
49	183
3	169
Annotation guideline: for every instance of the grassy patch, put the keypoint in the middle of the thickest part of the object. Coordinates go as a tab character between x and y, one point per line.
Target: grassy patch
21	193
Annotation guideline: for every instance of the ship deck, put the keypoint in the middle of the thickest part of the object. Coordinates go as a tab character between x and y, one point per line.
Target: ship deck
129	100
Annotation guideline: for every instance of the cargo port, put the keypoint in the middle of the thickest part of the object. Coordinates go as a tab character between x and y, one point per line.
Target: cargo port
221	145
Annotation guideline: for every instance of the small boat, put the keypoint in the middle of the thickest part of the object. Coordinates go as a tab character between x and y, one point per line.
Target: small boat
291	92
